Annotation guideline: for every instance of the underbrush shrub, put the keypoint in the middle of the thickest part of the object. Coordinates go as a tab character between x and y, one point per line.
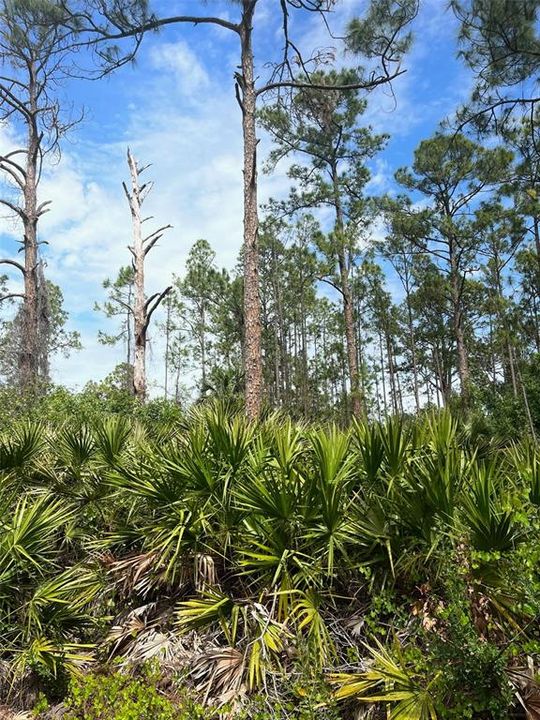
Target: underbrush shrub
459	653
112	695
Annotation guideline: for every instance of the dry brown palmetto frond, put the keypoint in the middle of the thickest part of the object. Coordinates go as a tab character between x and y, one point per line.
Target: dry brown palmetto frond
152	644
18	690
139	574
218	674
527	688
139	635
7	714
205	572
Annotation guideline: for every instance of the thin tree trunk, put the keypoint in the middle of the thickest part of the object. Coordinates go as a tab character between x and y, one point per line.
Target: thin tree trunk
348	313
537	246
129	331
391	371
412	339
167	346
459	335
377	395
398	381
383	379
441	383
526	403
203	345
305	388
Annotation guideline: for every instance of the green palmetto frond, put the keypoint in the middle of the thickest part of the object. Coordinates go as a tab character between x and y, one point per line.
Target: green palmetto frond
439	433
21	446
61	602
212	607
396	443
307	616
492	525
52	656
111	436
28	537
389	680
74	445
525	460
371	450
246	626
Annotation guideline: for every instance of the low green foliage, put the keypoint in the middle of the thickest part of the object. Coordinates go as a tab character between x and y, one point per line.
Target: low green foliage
116	696
306	569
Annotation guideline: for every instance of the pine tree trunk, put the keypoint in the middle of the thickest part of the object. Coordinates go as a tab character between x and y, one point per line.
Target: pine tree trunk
202	320
412	339
508	358
536	226
383	379
459	335
252	329
29	351
391	372
348	313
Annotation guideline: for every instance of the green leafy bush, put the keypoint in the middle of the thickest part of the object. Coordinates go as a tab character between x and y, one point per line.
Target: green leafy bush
115	696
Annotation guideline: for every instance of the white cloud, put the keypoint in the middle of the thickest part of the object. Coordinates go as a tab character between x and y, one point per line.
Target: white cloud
178	59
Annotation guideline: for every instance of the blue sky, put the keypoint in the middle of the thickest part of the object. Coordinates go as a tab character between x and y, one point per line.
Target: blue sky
175	107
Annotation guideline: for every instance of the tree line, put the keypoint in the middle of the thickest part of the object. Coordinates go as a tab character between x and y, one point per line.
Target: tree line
306	321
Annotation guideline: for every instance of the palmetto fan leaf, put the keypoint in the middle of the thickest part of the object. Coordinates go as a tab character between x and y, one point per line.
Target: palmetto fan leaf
371	450
21	446
491	524
74	445
27	541
247	627
389	680
111	437
61	601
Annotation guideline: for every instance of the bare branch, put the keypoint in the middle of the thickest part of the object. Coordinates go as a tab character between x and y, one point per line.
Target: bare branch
42	208
153	238
15	208
159	297
8	261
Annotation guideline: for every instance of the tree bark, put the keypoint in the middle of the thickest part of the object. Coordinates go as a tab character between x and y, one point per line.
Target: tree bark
348	313
457	321
29	352
383	379
252	328
412	340
167	348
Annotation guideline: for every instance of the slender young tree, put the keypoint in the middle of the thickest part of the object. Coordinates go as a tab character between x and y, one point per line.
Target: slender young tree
380	35
400	247
119	304
202	289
